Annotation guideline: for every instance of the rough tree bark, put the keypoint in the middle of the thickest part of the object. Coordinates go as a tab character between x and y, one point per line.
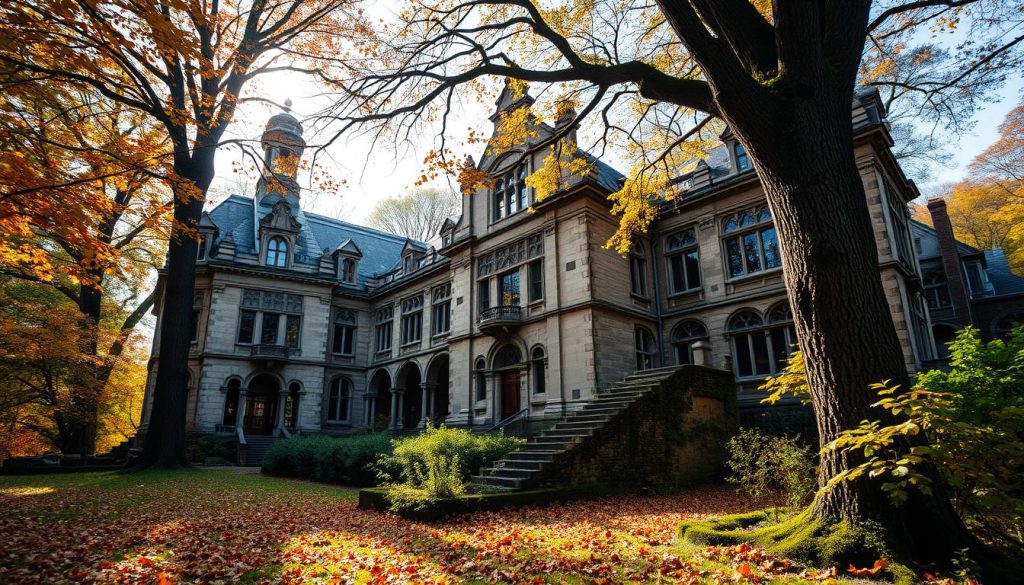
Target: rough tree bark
164	445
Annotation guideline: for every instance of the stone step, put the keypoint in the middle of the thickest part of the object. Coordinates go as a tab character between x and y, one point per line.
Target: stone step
605	410
533	455
534	464
509	482
571	433
546	443
575	425
579	418
507	472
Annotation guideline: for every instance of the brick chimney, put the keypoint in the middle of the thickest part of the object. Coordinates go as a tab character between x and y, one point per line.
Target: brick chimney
951	264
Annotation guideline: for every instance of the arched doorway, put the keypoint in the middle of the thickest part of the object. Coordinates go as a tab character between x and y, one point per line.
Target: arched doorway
507	363
380	401
260	405
437	381
411	406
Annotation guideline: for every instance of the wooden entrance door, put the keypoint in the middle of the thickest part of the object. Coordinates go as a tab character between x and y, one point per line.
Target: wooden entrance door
509	393
259	415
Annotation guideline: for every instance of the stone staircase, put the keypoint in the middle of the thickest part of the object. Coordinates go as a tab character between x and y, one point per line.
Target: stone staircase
522	468
256	446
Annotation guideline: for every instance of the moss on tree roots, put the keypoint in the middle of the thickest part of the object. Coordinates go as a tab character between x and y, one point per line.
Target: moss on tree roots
801	537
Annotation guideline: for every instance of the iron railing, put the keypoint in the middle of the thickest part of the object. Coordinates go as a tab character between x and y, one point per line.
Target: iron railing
501	314
265	351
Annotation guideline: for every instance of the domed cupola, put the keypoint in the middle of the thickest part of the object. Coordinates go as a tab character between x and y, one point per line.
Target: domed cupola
283	146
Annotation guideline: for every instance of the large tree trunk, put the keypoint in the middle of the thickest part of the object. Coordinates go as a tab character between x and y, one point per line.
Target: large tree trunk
84	412
164	443
842	316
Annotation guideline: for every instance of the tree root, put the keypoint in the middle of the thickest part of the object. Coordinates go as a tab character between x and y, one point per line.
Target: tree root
800	537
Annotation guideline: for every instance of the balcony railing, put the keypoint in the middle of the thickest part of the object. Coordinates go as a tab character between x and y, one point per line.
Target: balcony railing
269	352
502	317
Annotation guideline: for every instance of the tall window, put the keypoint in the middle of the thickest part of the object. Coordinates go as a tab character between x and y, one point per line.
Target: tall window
382	331
201	251
637	271
441	310
348	270
231	401
481	379
936	292
277	317
761	349
742	158
644	348
683	262
277	252
508	289
344	341
291	406
197	312
537	365
510	193
899	216
412	320
338	400
751	244
535	274
484	288
684	335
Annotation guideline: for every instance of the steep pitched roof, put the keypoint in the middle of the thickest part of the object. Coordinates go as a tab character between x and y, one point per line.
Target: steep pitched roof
1003	280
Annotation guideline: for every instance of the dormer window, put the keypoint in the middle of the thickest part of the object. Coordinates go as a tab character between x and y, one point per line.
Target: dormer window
277	252
348	270
201	252
510	193
409	264
742	159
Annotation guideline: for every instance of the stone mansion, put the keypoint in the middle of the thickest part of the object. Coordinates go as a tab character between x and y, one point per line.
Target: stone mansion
304	323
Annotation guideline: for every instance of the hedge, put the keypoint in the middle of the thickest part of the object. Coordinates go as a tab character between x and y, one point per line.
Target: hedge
344	460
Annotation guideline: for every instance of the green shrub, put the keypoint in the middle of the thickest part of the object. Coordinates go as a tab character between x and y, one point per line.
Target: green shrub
344	460
205	449
776	468
437	463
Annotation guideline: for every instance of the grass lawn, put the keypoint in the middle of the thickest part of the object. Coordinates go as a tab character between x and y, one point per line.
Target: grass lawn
209	526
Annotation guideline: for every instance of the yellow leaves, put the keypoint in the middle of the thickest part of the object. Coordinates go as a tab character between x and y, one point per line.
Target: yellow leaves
563	162
515	128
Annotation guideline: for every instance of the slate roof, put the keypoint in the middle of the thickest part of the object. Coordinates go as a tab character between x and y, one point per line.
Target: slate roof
1003	280
607	177
381	250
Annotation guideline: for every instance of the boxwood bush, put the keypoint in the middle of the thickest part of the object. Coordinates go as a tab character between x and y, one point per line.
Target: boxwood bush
345	460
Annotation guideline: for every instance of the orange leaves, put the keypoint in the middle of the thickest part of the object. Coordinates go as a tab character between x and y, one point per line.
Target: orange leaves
879	566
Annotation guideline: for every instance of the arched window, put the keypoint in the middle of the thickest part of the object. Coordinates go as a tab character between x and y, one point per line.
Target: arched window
637	270
751	243
684	335
348	270
338	400
231	401
291	406
644	348
683	262
537	364
742	159
507	356
481	379
277	252
758	349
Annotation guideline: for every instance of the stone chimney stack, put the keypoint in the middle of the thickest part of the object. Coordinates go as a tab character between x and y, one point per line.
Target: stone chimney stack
951	264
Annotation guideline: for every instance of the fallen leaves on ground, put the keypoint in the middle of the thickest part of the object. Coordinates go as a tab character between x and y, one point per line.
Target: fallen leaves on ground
218	527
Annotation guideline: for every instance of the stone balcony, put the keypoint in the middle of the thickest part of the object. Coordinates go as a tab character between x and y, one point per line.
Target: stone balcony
500	320
269	353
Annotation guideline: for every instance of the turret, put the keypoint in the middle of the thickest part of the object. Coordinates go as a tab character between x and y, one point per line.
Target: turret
283	146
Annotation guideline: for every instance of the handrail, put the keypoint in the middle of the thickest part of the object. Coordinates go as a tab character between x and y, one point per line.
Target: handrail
501	313
524	413
284	431
240	435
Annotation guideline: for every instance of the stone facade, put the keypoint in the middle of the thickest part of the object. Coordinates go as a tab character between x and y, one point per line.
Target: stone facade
310	324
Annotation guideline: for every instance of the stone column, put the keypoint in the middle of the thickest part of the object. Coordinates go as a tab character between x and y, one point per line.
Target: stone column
427	395
282	401
396	396
240	411
701	353
368	415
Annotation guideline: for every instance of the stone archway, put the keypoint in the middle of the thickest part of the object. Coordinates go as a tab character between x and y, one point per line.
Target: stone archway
379	398
437	389
409	411
261	400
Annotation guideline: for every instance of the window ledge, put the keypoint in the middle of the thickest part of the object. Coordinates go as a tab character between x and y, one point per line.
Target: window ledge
686	293
754	276
410	345
343	355
640	298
